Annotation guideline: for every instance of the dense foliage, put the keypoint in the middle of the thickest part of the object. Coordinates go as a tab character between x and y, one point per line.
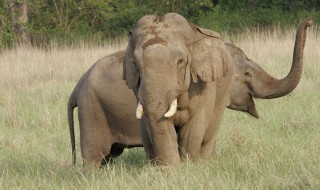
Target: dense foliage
71	21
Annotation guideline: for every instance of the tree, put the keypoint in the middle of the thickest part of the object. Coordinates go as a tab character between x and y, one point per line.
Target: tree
19	19
6	37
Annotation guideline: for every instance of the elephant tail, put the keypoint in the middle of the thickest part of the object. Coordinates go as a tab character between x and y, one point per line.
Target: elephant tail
71	105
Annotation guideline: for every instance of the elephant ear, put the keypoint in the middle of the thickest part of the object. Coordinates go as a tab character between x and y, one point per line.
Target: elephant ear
209	57
130	70
209	33
242	85
242	101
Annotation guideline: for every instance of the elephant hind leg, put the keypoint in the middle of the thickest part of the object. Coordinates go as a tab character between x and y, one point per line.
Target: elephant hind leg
95	134
94	159
116	150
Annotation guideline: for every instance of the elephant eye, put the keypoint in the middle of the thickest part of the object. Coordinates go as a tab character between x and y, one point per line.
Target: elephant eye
180	61
248	75
181	67
138	84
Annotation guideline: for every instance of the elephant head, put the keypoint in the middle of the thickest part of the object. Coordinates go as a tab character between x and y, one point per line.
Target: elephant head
169	63
251	81
160	54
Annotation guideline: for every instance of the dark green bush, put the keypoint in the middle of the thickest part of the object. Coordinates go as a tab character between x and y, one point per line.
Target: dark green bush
69	21
236	21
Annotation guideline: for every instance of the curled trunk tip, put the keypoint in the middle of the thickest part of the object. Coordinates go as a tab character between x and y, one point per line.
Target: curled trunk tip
308	22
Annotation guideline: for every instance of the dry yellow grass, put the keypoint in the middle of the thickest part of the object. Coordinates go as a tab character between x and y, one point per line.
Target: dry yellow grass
279	151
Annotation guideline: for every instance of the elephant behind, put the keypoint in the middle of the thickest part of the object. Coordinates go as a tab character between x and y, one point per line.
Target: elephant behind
106	106
105	112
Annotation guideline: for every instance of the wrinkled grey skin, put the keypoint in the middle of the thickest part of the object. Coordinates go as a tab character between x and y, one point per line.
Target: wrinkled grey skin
105	111
107	106
167	58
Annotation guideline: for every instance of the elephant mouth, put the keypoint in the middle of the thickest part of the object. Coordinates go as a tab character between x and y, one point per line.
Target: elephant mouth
171	111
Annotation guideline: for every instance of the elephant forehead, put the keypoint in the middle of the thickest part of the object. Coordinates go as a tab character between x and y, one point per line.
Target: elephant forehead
154	40
165	27
155	54
175	19
170	18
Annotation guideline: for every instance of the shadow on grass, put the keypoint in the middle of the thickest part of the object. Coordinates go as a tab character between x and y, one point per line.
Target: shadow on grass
133	158
19	167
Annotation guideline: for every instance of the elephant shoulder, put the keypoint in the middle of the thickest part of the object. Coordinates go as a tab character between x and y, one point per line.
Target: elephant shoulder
107	69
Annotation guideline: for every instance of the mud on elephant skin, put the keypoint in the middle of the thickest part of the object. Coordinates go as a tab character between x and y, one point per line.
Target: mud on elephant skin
181	76
115	122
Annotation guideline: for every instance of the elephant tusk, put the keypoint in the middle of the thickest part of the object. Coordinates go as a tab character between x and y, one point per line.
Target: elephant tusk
139	111
173	108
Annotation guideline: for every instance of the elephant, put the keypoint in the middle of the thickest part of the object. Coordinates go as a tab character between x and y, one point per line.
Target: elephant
105	112
106	107
181	76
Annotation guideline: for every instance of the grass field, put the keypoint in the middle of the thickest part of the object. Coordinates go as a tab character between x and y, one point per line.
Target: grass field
281	150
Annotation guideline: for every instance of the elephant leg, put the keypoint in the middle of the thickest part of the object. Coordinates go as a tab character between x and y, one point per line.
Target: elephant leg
145	137
95	134
191	136
209	140
163	148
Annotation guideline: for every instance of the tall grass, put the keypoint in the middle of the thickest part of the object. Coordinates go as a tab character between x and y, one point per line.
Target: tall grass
279	151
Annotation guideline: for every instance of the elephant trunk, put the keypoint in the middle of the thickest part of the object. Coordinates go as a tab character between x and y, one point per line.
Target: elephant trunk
274	88
155	99
157	102
164	143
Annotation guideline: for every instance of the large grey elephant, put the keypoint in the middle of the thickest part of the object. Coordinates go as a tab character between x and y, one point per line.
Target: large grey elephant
181	76
106	107
105	111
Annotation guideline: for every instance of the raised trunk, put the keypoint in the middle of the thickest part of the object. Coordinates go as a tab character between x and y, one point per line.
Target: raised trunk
274	88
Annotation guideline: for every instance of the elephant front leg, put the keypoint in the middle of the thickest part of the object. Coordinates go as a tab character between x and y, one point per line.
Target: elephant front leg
161	143
209	140
95	134
190	136
145	137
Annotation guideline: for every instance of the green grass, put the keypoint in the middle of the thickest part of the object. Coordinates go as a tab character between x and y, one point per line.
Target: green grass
279	151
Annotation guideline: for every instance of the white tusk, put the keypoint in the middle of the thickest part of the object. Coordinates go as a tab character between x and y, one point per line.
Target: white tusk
173	108
139	111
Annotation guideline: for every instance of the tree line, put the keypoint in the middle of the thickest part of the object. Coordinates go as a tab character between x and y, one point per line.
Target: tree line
40	22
